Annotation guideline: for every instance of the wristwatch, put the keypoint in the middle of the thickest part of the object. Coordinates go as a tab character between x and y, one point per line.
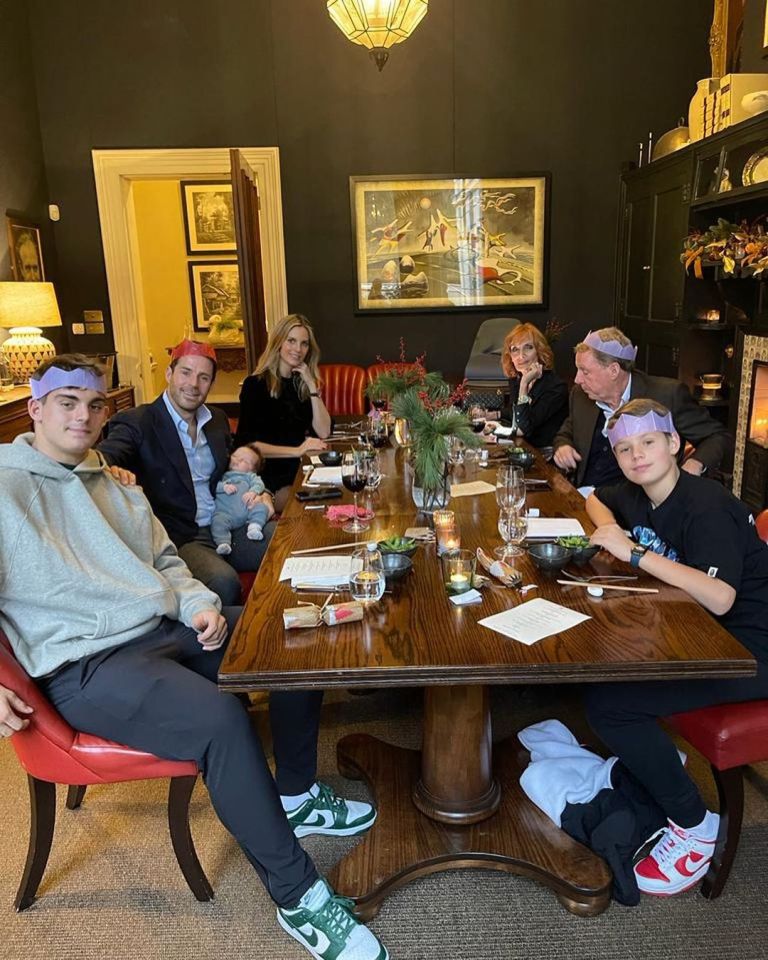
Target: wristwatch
637	554
524	399
315	394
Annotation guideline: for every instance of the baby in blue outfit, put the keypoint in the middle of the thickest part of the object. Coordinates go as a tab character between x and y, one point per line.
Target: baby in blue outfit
231	513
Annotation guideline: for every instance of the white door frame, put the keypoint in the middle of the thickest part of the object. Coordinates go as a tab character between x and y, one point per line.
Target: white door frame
114	171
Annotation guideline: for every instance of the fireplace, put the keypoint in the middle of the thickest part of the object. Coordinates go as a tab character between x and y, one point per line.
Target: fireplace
750	469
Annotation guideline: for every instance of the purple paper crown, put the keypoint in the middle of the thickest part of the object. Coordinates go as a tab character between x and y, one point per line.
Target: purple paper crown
629	426
612	347
55	378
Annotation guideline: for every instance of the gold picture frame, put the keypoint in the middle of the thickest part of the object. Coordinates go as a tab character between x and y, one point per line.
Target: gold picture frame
25	248
209	217
449	243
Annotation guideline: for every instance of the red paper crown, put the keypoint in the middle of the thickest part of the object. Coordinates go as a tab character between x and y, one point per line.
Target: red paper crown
193	348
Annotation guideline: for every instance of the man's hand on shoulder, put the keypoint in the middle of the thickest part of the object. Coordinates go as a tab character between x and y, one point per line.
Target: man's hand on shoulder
124	477
567	457
211	629
11	705
693	466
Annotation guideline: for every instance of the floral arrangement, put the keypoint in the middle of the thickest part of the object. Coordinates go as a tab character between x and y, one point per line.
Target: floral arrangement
402	374
733	245
434	417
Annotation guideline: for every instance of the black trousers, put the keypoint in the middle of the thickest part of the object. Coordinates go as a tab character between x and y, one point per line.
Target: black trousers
624	716
158	693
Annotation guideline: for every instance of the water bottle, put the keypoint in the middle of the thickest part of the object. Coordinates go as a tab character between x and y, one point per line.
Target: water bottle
366	583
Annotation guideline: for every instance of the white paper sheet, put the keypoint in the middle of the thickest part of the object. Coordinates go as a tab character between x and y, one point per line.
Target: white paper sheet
328	570
471	489
547	528
324	475
533	620
468	597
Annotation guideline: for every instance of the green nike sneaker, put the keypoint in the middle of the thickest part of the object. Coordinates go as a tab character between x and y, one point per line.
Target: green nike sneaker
328	928
328	814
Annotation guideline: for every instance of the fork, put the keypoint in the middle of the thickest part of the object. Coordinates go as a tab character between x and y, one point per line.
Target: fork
598	576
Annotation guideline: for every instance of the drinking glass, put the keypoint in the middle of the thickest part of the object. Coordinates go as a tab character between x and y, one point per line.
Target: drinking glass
353	474
372	472
367	582
513	527
510	488
456	451
458	571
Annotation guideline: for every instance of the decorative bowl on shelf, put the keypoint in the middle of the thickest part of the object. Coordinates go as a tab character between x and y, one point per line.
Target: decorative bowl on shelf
549	556
711	385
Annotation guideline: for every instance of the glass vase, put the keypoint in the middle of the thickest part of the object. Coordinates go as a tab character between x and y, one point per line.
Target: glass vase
429	499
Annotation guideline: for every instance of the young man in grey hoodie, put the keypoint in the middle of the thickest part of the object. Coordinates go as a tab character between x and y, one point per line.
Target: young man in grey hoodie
127	645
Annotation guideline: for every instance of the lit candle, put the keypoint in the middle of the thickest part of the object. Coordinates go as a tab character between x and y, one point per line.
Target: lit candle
458	580
443	518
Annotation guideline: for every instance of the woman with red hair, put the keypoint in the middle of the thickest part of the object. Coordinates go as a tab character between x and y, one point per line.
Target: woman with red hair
538	398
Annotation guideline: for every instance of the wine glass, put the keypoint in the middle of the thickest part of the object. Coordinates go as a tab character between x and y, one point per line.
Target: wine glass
510	488
372	472
353	474
455	451
513	527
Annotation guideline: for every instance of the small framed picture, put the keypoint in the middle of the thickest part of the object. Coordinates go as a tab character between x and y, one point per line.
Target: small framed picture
25	248
215	289
209	217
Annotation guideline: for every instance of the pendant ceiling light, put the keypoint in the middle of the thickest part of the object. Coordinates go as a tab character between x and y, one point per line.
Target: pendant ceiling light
377	24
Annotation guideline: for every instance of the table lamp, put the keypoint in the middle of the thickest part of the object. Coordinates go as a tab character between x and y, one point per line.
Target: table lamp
24	309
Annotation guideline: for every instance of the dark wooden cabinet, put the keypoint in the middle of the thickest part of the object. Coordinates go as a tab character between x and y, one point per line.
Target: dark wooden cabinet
655	219
660	307
14	418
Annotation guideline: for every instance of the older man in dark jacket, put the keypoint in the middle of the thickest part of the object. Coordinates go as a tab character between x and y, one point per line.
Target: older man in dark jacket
605	380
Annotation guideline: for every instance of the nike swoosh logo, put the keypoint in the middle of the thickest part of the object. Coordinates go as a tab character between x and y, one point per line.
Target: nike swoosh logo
687	866
319	821
311	938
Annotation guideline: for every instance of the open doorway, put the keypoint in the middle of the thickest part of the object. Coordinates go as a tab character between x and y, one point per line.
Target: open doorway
152	285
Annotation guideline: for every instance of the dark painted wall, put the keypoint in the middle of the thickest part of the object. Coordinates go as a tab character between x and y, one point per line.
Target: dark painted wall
485	88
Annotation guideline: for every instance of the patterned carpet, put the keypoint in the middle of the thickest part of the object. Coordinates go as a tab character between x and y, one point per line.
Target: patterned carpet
112	888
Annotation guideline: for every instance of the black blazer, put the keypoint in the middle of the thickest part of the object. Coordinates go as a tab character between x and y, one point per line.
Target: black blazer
541	418
708	436
145	441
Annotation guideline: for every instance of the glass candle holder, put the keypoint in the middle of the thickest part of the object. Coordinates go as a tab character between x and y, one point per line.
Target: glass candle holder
448	539
458	571
443	518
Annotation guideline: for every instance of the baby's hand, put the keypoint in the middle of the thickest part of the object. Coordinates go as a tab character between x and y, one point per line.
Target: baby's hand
230	488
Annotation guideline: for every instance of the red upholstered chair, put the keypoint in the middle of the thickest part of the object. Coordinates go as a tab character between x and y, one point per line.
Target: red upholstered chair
52	752
343	389
730	736
246	582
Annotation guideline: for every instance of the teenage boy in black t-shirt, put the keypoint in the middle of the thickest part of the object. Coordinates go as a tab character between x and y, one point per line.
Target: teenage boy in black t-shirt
691	533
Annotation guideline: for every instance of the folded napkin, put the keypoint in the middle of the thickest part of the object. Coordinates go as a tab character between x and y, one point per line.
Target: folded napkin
346	512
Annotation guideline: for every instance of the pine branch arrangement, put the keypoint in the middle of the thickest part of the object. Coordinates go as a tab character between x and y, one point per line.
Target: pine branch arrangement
433	420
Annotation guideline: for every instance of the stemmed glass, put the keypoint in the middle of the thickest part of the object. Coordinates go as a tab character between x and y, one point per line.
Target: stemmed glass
372	472
513	527
353	476
510	488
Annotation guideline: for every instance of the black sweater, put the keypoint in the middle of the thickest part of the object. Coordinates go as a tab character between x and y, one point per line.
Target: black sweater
540	419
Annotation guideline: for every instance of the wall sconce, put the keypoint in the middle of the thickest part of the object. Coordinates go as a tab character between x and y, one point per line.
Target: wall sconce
377	25
24	309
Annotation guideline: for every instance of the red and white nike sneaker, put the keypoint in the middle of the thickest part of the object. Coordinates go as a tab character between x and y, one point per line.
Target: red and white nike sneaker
677	861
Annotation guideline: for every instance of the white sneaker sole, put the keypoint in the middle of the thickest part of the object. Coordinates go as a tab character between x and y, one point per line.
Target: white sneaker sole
304	831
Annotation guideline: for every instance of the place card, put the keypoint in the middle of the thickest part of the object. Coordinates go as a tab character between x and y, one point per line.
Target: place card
533	620
547	528
321	476
469	596
319	570
471	489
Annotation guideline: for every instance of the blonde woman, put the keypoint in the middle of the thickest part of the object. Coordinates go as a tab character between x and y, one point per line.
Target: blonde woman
281	407
538	398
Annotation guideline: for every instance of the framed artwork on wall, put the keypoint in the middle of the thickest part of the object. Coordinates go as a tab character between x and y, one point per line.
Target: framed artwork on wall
25	248
215	290
449	243
209	218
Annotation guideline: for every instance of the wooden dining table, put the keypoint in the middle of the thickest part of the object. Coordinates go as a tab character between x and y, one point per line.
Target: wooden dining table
457	802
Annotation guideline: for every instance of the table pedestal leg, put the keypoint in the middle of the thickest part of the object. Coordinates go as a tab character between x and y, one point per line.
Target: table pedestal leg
454	825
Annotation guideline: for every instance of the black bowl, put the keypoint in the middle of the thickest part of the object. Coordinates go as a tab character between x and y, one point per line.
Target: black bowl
330	458
521	458
396	566
549	556
580	554
400	553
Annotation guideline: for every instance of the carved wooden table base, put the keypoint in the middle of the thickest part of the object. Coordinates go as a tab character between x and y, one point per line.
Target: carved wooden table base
405	843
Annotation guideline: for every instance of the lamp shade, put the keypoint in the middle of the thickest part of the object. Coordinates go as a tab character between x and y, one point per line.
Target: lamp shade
377	24
28	305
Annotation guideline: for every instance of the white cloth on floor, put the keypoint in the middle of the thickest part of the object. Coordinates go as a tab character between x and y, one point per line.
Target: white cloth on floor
561	771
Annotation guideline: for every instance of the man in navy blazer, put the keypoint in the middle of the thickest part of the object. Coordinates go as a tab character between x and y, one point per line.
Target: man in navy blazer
179	448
